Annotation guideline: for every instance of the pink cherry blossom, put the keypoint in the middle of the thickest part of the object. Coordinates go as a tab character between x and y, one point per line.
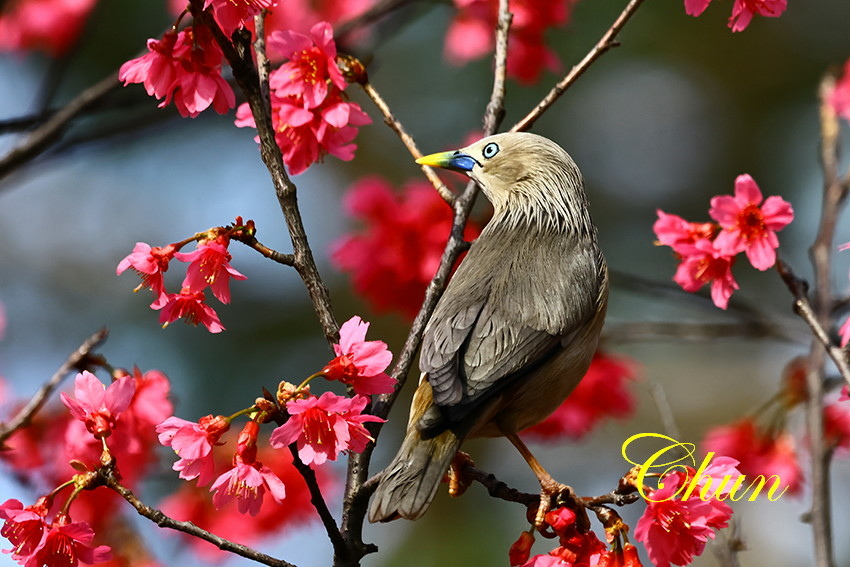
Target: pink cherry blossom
50	25
193	443
708	265
681	235
23	527
360	363
325	426
674	530
151	403
192	308
150	262
210	266
248	483
185	69
66	544
839	96
249	479
96	405
748	225
310	113
156	69
311	67
233	14
742	11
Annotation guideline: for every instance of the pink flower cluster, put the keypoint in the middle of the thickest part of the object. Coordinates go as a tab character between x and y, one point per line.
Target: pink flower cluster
360	363
745	222
58	543
470	34
183	67
320	427
742	11
576	548
393	258
601	393
209	267
123	415
311	114
97	406
232	15
675	529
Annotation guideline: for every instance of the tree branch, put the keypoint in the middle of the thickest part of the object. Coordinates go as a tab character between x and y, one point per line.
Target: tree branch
606	42
803	308
81	359
108	477
51	130
407	140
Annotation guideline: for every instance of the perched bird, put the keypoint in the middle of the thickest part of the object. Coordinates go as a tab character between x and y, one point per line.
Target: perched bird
517	326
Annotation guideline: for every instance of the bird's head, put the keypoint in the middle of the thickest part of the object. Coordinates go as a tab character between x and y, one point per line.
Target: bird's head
524	175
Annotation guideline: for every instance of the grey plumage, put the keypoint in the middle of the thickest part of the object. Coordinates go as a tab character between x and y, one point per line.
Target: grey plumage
518	323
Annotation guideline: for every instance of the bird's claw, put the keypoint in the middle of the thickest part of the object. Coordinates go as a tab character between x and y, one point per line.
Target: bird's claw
457	481
550	491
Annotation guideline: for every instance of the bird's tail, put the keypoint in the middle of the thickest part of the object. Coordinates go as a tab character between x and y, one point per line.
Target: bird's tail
411	481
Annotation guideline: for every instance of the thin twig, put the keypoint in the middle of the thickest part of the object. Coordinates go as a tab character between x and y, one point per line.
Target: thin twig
81	359
407	140
606	42
499	489
803	308
109	479
251	241
51	130
495	111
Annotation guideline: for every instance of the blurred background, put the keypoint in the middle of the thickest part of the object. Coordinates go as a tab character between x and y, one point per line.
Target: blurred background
665	121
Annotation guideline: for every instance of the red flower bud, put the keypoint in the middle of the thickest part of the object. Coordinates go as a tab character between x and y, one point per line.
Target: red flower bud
521	549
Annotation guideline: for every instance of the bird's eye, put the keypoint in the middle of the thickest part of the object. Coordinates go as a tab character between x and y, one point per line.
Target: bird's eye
490	150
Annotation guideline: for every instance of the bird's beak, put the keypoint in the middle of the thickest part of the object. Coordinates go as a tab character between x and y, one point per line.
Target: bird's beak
455	161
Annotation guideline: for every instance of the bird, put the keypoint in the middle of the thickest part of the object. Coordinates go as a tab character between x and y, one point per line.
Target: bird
518	323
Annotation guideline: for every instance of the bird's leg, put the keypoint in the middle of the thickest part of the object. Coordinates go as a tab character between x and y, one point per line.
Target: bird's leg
549	487
456	479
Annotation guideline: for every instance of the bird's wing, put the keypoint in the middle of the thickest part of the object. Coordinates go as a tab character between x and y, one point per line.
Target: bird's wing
497	321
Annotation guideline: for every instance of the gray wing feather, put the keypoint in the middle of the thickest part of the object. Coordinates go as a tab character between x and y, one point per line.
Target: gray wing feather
503	312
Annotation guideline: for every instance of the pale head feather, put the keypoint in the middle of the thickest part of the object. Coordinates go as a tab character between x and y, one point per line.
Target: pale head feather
530	178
